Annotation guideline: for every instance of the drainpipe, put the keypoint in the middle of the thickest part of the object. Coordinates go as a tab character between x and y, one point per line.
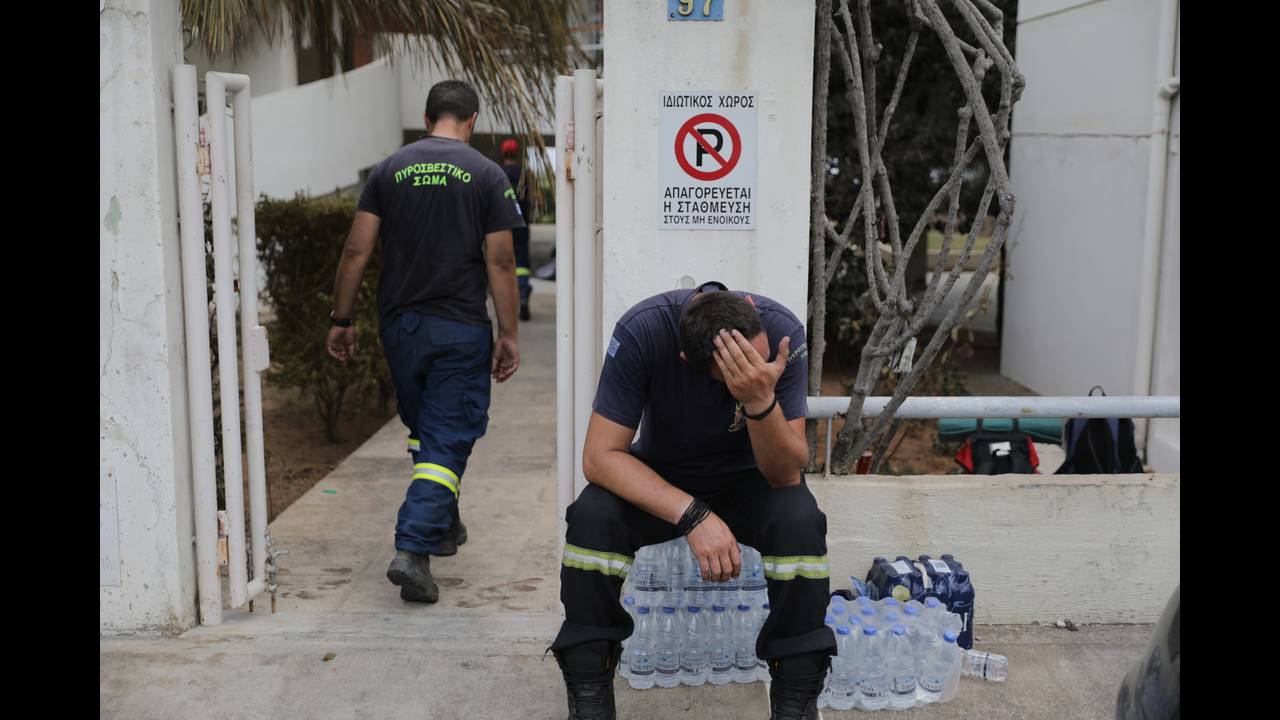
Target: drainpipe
1167	86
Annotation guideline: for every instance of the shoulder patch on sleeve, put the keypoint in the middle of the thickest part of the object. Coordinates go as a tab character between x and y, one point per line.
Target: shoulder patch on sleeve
613	346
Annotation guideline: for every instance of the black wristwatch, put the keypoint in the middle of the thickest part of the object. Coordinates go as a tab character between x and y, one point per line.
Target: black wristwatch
339	322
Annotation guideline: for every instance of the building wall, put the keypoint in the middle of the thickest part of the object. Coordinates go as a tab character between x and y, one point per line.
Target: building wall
1093	548
1079	160
760	47
271	66
147	579
416	80
317	137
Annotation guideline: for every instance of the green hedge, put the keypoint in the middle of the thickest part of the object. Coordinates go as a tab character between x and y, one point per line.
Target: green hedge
299	245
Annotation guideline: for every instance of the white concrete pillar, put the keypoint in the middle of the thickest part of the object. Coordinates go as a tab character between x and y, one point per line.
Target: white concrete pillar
147	579
760	48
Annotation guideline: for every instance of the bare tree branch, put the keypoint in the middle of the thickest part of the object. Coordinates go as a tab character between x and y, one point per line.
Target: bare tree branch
818	223
898	319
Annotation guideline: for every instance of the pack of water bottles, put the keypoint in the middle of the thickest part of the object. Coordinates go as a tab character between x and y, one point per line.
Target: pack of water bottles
687	630
891	654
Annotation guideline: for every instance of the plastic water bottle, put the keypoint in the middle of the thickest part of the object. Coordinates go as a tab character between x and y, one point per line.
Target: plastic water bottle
873	675
696	590
648	579
762	667
693	656
868	616
666	655
745	632
629	605
943	661
755	588
720	646
640	670
676	565
920	635
987	666
902	670
843	690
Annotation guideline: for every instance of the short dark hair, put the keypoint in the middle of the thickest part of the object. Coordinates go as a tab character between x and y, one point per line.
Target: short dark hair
452	97
706	316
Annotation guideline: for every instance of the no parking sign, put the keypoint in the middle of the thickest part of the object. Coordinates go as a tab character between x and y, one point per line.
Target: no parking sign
707	161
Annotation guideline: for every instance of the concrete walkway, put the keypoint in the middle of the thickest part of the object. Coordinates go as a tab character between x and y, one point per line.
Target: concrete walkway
477	654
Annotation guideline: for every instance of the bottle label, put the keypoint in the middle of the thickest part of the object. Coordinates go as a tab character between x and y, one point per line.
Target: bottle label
940	566
932	684
871	692
903	685
902	567
641	667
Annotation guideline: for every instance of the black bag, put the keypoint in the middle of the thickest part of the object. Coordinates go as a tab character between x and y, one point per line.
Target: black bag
998	453
1099	446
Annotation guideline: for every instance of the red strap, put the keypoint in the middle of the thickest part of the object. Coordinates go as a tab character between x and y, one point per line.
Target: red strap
1035	458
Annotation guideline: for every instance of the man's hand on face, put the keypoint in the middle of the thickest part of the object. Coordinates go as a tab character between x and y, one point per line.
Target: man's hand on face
751	380
716	549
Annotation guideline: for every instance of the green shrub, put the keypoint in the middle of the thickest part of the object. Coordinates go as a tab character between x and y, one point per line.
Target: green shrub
299	245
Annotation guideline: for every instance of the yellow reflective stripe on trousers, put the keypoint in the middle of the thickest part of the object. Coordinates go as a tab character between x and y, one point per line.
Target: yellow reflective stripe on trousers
414	445
603	562
436	473
522	272
812	567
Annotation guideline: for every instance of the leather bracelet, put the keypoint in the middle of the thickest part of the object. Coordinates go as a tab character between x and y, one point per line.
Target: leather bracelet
693	516
766	412
336	321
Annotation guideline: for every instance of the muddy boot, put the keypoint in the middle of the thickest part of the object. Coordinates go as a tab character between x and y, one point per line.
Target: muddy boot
588	679
797	680
412	572
457	535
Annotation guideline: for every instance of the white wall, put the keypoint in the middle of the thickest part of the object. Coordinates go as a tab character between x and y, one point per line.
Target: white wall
271	66
760	47
416	80
1080	155
146	556
317	137
1093	548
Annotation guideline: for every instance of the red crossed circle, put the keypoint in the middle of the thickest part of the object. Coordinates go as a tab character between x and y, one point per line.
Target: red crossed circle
726	165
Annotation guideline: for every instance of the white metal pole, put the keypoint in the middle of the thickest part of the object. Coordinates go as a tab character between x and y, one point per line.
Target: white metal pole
585	314
1111	406
195	302
1157	167
224	297
253	337
565	464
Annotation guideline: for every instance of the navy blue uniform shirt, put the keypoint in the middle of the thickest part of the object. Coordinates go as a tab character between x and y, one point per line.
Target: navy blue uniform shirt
690	425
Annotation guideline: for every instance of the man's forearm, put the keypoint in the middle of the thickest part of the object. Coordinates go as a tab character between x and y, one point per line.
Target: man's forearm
622	474
506	296
347	283
779	454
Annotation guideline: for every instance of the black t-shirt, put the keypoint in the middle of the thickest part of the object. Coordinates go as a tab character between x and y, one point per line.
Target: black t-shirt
691	423
437	199
513	172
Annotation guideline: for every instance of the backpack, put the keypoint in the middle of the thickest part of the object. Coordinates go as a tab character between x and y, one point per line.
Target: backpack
1099	446
998	453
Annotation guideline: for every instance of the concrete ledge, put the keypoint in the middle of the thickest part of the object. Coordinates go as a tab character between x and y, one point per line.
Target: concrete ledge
1092	548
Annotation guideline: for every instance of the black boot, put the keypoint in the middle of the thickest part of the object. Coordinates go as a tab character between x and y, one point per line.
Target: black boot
412	572
457	536
797	680
588	679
